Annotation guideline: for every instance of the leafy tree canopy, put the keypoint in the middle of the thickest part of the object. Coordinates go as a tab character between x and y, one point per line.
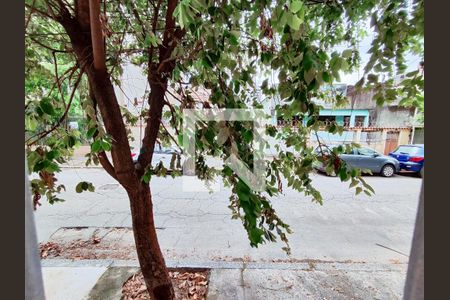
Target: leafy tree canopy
222	46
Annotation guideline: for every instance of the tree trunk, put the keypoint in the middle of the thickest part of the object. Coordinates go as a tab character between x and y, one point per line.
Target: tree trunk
123	170
150	257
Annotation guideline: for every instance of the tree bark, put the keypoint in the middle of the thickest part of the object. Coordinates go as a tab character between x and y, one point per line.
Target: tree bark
149	253
150	257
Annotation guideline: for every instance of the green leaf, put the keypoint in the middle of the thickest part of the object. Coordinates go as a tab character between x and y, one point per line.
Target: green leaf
247	136
293	21
90	133
347	53
79	187
52	154
367	186
147	176
71	141
151	40
358	190
209	135
256	236
326	77
84	186
310	75
96	146
343	174
32	158
106	146
47	107
223	135
372	78
295	6
30	123
353	183
243	191
91	187
344	65
227	171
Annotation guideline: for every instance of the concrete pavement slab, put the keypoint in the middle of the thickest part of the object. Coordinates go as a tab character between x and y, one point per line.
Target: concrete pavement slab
109	286
70	283
252	281
261	284
225	284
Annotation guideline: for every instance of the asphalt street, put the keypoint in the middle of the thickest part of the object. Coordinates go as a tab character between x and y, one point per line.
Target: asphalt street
198	224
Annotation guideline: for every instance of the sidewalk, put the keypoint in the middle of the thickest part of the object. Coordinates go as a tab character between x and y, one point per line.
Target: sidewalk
94	263
103	279
78	160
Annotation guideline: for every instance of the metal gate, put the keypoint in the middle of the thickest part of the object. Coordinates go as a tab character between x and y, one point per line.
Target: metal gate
391	141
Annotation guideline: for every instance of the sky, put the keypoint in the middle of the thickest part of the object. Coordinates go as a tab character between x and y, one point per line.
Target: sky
412	62
134	83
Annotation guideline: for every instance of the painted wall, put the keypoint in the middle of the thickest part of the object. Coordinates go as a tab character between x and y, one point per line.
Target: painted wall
419	136
392	116
340	113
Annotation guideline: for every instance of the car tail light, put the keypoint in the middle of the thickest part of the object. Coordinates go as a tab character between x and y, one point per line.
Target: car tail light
416	159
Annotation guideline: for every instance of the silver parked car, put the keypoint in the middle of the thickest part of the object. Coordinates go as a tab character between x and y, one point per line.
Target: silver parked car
159	154
364	158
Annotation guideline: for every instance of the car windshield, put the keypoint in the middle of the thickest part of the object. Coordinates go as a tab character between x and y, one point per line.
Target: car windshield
163	150
366	151
326	149
410	150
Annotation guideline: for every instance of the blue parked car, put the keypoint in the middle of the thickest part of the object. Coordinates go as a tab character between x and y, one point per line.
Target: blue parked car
411	158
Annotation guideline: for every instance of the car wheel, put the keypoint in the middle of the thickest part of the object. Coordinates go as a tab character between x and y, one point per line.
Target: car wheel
420	173
388	170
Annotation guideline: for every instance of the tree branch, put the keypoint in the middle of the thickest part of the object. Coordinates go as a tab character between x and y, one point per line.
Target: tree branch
172	113
106	164
171	137
158	84
102	157
47	47
29	15
84	47
33	9
138	18
154	24
57	78
63	117
98	48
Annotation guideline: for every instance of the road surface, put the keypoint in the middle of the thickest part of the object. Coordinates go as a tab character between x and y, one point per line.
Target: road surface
199	225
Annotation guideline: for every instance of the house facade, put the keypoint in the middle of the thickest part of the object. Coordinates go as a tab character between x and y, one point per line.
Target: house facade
382	128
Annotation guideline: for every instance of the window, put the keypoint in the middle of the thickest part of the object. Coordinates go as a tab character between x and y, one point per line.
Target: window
359	121
366	151
281	121
348	150
295	121
327	119
346	121
410	150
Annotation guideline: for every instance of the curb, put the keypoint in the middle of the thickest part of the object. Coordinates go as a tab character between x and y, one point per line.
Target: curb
308	266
